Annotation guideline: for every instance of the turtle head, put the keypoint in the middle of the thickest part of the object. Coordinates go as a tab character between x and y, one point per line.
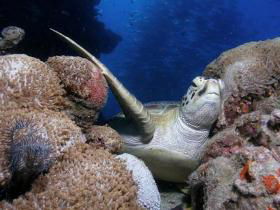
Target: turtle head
201	104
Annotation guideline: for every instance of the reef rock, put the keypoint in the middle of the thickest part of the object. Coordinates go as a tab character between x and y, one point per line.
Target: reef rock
11	36
252	129
241	161
247	180
85	178
251	73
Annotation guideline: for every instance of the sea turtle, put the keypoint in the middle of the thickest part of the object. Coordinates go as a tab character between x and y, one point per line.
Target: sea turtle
168	137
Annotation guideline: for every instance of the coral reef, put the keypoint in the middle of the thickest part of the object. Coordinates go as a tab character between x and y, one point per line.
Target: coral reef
85	85
84	178
30	142
247	180
104	137
69	84
252	129
241	162
27	82
251	73
11	36
148	195
39	141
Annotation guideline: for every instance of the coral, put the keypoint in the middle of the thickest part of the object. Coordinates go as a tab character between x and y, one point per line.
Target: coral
11	36
148	195
84	178
27	82
84	83
250	129
248	179
271	184
251	74
104	137
31	140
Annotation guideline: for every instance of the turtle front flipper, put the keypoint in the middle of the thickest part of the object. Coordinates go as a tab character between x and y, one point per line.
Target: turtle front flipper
131	107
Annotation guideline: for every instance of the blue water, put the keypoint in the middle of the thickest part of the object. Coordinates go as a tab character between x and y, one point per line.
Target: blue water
166	43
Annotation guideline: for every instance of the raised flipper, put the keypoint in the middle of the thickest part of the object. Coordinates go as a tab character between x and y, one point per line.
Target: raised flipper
131	107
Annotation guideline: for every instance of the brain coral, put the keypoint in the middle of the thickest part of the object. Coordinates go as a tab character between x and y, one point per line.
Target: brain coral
30	140
251	73
28	82
85	85
84	178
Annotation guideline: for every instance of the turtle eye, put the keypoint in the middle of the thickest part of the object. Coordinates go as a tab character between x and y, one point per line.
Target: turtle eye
193	84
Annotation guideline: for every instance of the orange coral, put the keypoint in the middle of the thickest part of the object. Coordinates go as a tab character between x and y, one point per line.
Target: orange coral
245	108
270	208
244	174
271	184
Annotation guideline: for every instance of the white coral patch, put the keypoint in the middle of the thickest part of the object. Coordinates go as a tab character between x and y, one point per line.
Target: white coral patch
148	195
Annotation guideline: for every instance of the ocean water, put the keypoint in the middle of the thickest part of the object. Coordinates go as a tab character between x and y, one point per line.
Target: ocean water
166	43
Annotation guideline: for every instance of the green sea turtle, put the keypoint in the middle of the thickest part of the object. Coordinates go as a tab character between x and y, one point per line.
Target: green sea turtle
168	137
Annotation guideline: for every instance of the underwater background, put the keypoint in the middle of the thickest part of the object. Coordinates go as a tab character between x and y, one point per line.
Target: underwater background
166	43
155	47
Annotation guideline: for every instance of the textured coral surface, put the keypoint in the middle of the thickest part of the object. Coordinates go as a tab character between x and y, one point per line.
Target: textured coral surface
148	195
85	85
27	82
24	128
104	137
247	180
82	78
84	178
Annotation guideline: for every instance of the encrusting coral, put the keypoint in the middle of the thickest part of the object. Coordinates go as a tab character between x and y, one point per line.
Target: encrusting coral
85	85
248	179
28	82
31	140
251	73
84	178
